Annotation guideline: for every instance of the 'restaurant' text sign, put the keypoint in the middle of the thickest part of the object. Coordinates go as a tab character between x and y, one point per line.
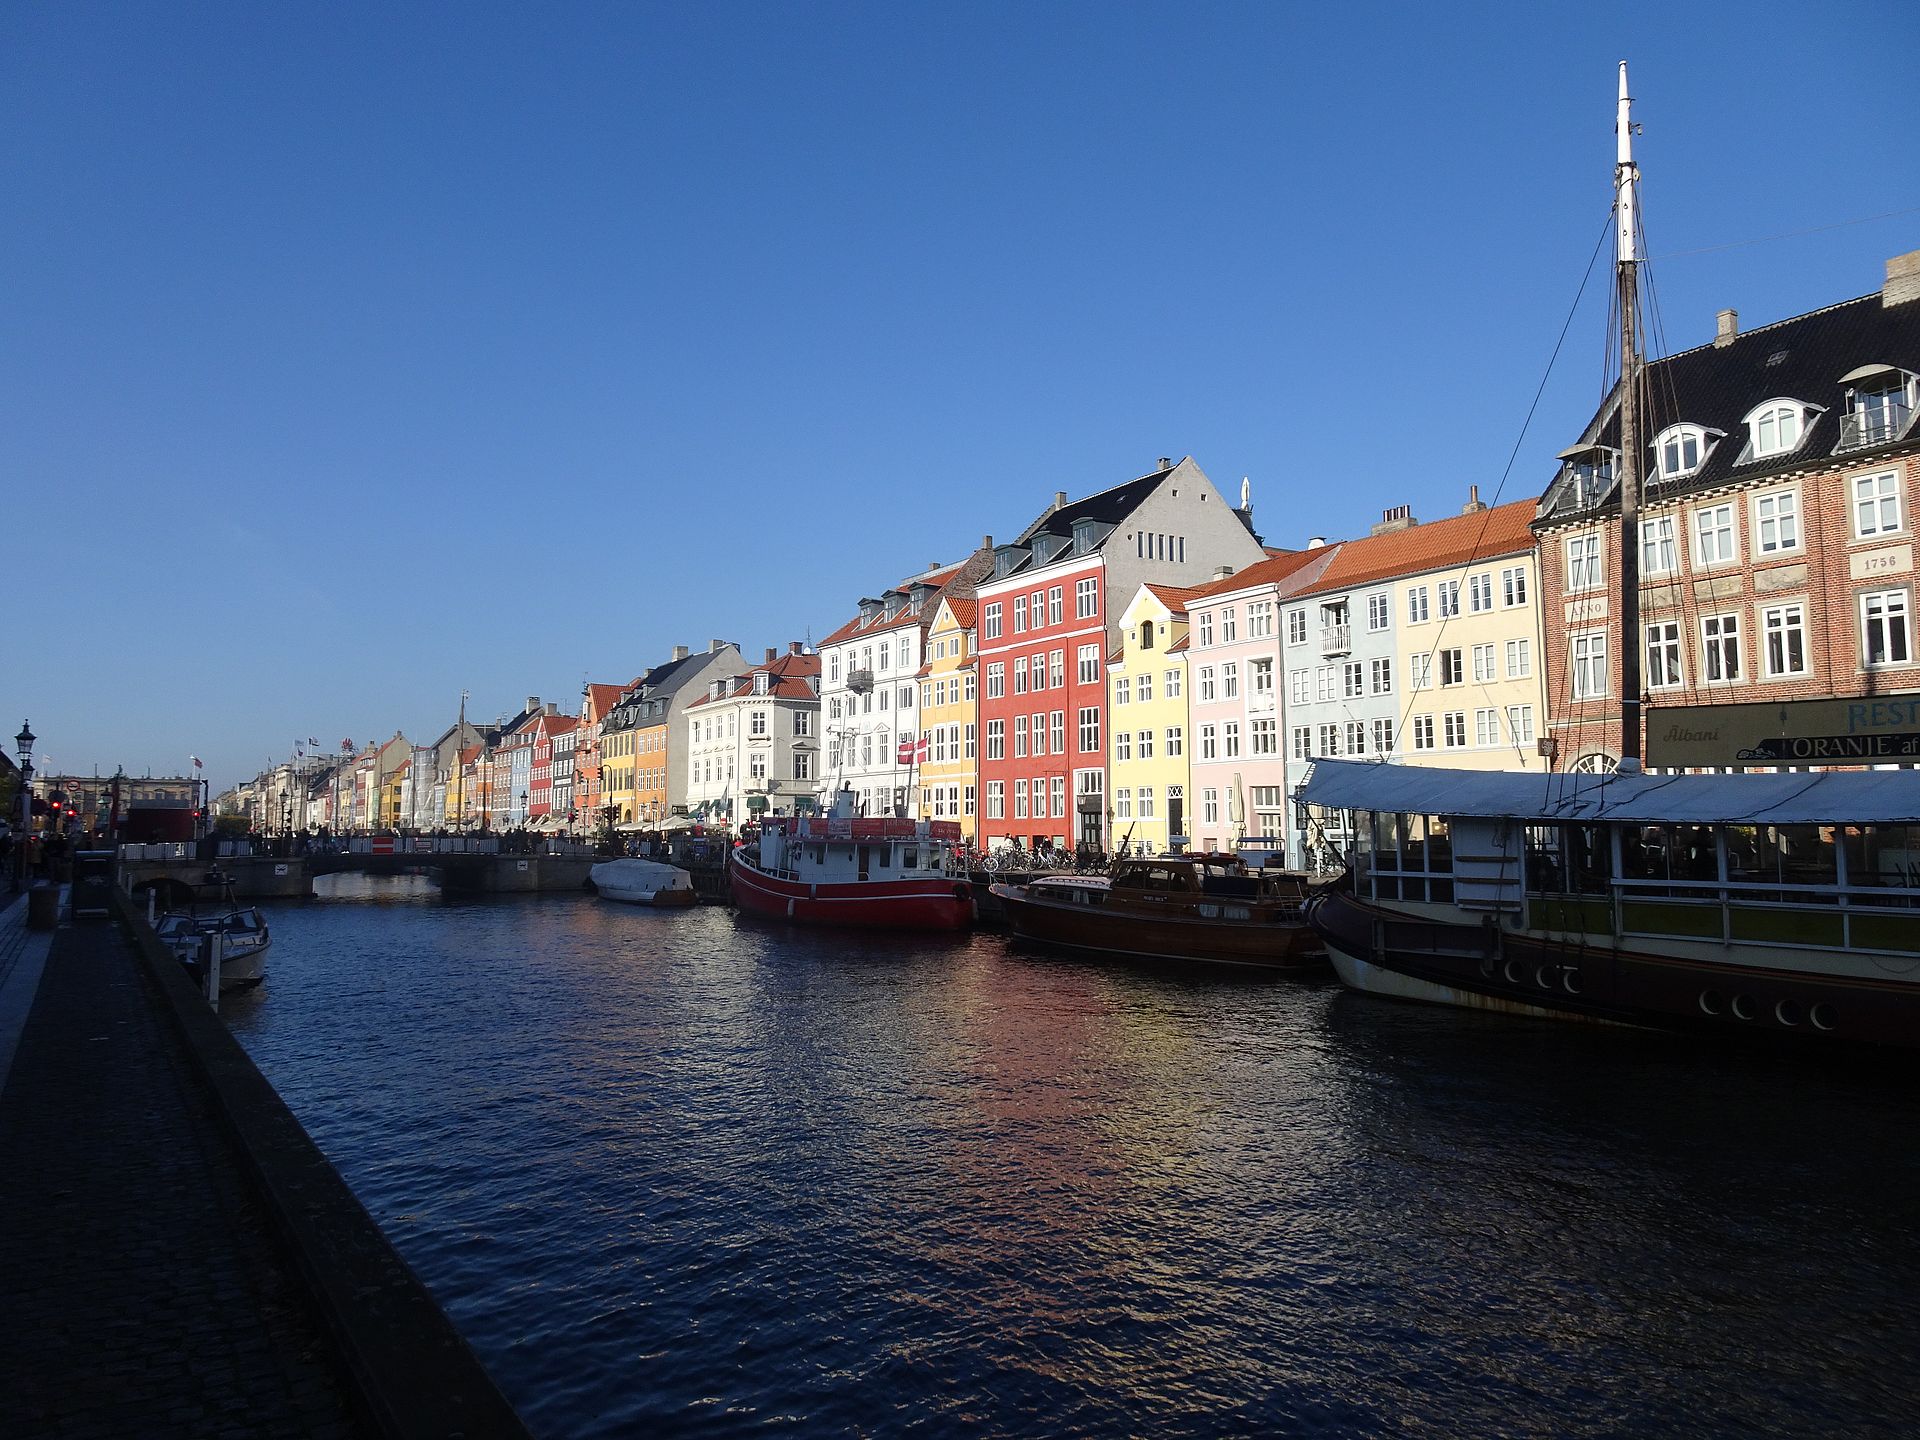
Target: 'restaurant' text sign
1795	732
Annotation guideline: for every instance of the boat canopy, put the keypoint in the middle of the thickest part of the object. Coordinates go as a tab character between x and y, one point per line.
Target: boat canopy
1834	797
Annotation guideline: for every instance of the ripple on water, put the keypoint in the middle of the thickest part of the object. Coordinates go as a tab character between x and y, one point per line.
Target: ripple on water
684	1173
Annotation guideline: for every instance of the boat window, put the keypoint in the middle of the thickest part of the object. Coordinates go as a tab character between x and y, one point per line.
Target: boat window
1882	857
1656	853
1782	855
1420	849
1568	860
910	858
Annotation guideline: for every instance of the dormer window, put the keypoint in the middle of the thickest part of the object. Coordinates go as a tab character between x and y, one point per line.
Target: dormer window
1589	476
1880	406
1146	635
1777	428
760	683
1682	449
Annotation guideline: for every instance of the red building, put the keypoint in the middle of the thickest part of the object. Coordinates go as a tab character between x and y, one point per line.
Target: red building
540	772
1047	620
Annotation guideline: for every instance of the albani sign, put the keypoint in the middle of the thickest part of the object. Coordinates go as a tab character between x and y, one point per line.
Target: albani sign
1794	732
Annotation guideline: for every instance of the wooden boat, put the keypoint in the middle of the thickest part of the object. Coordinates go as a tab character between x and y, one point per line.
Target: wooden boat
635	881
878	873
215	910
1212	909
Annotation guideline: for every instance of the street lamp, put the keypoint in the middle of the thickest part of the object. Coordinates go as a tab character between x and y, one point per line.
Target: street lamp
23	747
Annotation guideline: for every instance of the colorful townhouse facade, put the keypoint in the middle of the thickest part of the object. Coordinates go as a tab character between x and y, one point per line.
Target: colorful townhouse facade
1147	750
949	775
643	769
1049	618
1781	469
753	740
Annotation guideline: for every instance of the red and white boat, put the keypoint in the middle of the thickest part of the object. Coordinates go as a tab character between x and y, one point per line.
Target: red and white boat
883	874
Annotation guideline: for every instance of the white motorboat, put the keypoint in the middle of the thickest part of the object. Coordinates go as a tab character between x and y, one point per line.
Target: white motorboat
633	881
243	929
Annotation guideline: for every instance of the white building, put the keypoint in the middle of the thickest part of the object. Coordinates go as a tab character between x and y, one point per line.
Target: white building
753	740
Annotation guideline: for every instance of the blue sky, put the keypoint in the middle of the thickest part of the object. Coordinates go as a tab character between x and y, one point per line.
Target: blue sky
354	355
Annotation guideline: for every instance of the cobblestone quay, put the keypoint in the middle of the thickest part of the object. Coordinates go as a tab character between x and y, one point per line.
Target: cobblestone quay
152	1281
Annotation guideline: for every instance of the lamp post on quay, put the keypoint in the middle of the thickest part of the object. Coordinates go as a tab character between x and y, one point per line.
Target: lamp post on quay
23	747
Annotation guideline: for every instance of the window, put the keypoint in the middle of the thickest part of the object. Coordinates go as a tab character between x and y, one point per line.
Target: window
1122	690
1146	802
1303	742
1230	740
1325	681
757	765
1089	664
1587	657
1486	727
886	649
1679	450
996	739
967	687
1176	742
969	753
1456	728
802	765
1775	428
1143	744
1720	648
1383	737
1143	686
1382	671
1883	628
1055	603
1483	669
1210	806
1583	563
1876	504
757	722
1377	613
1519	659
1230	680
1713	540
1206	627
1447	592
1123	745
1657	546
1513	586
1206	682
1089	729
1352	679
1086	598
1059	788
1172	688
1057	664
1329	739
1784	629
1520	723
1019	736
1416	604
996	800
1019	614
1209	750
1423	732
833	667
1663	655
1057	727
1479	593
1227	634
1019	799
990	621
1356	737
1296	627
1020	675
1260	679
1299	687
969	802
1264	737
1777	522
1453	670
803	722
1259	619
1422	671
996	680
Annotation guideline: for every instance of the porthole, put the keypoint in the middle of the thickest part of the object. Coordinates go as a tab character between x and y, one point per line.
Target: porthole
1743	1007
1821	1015
1787	1012
1712	1002
1512	971
1486	966
1543	977
1570	981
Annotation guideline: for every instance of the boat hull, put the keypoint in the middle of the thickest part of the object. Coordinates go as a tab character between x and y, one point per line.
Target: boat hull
1110	929
917	904
1811	996
650	883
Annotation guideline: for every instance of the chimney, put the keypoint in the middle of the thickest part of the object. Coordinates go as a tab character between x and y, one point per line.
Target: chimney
1903	280
1400	517
1221	572
1166	463
714	647
986	542
679	652
794	647
772	655
1059	500
1474	503
533	703
1726	328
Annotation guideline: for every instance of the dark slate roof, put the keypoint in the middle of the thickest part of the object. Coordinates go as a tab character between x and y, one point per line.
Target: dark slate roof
1109	507
1718	386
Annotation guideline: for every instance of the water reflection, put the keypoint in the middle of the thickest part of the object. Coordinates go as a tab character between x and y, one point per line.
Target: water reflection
682	1172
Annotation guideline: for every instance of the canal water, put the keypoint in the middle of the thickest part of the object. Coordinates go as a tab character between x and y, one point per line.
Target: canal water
694	1174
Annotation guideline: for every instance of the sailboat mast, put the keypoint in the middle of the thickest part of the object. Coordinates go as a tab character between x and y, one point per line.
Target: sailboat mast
1626	180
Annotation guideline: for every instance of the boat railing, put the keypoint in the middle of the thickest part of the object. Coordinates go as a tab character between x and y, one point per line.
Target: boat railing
1771	912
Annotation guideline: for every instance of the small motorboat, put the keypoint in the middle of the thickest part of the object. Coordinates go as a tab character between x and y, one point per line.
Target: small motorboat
633	881
214	910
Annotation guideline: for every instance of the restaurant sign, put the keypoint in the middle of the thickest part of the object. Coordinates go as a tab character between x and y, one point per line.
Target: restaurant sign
1794	732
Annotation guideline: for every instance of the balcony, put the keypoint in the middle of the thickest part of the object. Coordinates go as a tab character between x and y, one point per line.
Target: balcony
1336	640
860	682
1876	424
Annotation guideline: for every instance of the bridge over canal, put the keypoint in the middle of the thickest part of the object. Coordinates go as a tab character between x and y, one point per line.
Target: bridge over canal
459	865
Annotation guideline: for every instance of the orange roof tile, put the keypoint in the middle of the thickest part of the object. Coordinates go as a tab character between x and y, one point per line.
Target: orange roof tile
1457	540
1276	568
1174	597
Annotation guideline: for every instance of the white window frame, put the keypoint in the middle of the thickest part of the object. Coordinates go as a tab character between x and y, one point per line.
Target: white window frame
1587	664
1797	624
1663	655
1716	631
1870	509
1586	569
1707	525
1784	506
1892	606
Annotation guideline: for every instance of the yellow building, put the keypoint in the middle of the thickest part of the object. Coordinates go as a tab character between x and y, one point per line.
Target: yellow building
950	718
1468	627
1147	753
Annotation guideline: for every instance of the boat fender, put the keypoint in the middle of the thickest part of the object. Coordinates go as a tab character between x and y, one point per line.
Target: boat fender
789	907
963	891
